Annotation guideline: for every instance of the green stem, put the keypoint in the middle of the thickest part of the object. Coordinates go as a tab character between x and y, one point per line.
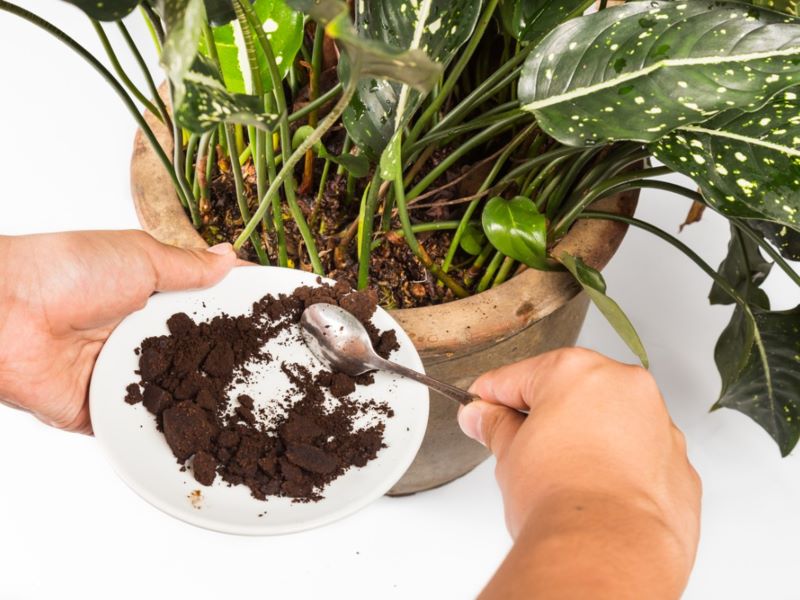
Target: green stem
367	214
277	216
286	176
483	284
455	72
150	27
478	263
151	84
297	155
505	269
112	56
190	201
301	113
566	221
241	197
105	74
421	228
191	148
768	248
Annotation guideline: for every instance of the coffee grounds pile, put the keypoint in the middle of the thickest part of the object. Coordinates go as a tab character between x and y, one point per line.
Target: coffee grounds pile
186	379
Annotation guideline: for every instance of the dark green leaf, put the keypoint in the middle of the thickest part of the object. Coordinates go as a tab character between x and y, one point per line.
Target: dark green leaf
790	7
767	385
595	287
517	229
747	164
531	20
473	239
183	21
357	165
786	240
745	270
436	29
206	102
642	69
284	29
106	10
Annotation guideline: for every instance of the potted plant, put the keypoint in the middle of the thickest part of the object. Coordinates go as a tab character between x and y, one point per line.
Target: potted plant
476	162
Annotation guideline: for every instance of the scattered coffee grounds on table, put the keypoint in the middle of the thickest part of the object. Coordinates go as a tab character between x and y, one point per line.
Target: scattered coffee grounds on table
186	381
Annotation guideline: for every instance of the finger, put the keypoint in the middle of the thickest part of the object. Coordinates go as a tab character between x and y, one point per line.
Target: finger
183	269
520	385
492	425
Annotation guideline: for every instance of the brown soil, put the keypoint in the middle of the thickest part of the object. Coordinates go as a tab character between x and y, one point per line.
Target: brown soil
397	276
187	375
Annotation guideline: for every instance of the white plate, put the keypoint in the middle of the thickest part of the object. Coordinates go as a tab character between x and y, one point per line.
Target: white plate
141	456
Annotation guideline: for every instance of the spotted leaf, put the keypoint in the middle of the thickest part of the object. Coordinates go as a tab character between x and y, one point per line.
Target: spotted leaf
284	29
745	269
766	386
106	10
206	102
183	22
531	20
435	29
642	69
786	240
790	7
747	164
594	285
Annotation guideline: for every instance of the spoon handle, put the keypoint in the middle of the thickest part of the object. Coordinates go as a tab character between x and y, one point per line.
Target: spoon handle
450	391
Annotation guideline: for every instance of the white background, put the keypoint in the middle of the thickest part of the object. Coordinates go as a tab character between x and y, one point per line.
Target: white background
69	528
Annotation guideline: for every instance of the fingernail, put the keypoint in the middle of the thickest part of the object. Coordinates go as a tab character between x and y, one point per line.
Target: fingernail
469	419
221	249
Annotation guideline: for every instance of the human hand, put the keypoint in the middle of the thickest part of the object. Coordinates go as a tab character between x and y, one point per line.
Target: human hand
596	472
62	294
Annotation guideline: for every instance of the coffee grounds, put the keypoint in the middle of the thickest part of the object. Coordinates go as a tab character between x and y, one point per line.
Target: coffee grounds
186	379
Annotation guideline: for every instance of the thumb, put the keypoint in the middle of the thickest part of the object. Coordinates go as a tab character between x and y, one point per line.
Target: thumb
183	269
493	425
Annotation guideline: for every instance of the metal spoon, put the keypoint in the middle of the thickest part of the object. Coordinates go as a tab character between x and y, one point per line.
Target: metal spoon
338	339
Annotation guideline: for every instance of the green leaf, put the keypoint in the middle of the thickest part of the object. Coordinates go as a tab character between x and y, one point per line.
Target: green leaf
472	240
183	21
206	102
767	385
531	20
745	269
786	240
595	287
434	29
747	164
790	7
357	165
106	10
517	229
284	29
642	69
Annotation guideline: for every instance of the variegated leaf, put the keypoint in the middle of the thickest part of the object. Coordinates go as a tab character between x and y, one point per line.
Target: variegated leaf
747	164
183	21
206	102
531	20
640	70
284	29
435	28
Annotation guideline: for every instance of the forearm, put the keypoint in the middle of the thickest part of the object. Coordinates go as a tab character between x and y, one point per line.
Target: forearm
592	547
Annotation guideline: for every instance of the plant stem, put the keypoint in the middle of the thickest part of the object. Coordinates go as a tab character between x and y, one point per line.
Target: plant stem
177	159
454	73
191	148
367	216
483	284
477	264
301	113
150	27
286	176
151	84
313	93
105	74
241	197
505	269
297	155
277	216
566	221
112	56
774	254
421	228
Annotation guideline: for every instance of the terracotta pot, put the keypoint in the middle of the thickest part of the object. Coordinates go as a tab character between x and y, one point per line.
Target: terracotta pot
529	314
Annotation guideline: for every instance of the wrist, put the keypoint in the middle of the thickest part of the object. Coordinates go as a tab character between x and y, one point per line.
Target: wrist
585	544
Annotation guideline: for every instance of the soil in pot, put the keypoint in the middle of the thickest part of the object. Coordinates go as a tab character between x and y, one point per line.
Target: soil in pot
303	443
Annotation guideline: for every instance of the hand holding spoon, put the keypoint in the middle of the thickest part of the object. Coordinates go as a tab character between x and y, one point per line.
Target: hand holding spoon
338	339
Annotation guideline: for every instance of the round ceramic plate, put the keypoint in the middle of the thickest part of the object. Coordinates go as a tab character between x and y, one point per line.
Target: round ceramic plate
141	456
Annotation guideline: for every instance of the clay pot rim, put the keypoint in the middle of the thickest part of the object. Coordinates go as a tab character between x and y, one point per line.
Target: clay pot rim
478	320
